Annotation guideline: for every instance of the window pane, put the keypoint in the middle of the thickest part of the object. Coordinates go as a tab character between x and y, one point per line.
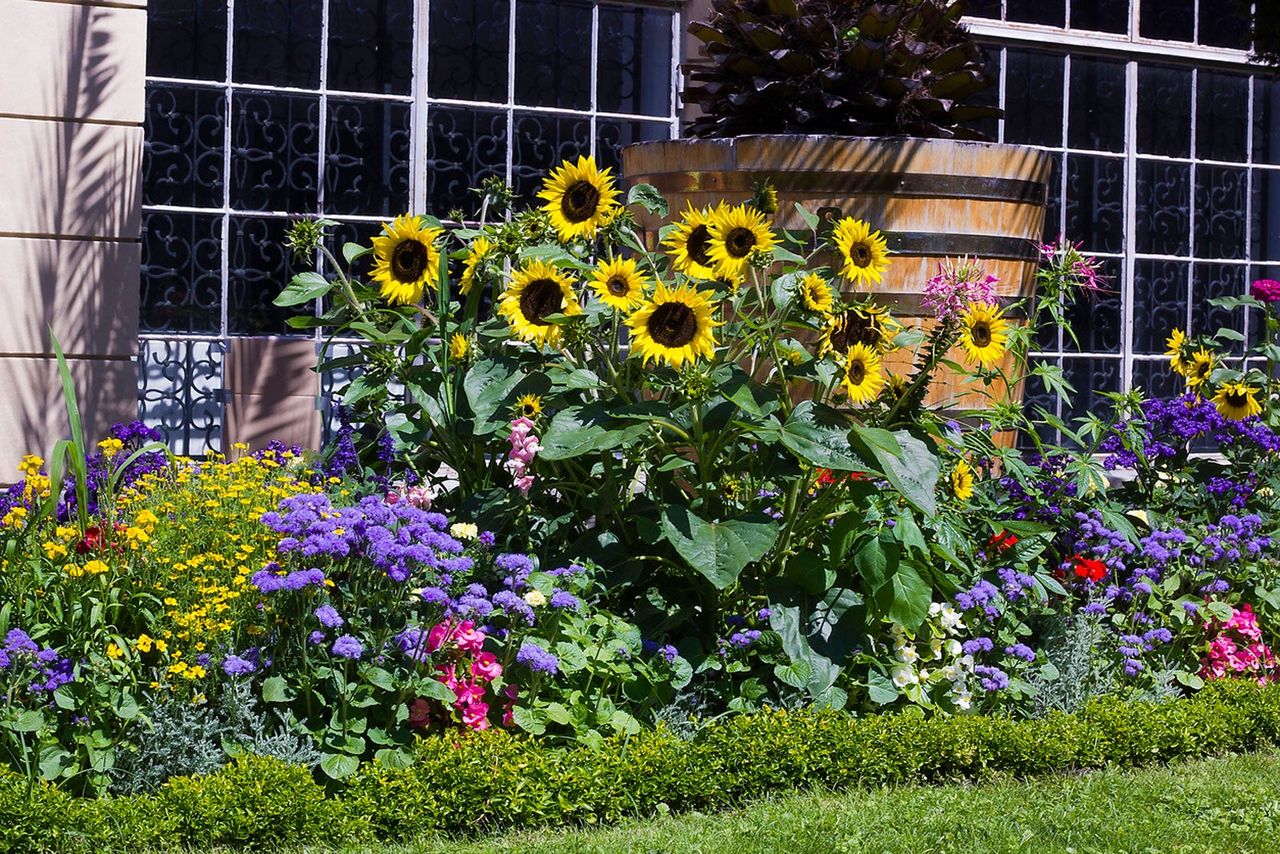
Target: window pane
187	38
1095	317
366	167
1095	202
277	42
465	147
1096	120
1051	12
275	148
260	266
1210	281
1221	193
468	57
1163	208
371	45
1172	20
635	61
181	273
541	143
1155	378
983	9
1266	216
1160	299
1033	97
1053	207
1222	109
1091	378
1107	16
553	54
1222	25
1164	111
182	155
1266	121
612	136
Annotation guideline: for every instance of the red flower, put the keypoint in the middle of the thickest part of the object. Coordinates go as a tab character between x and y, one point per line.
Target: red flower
1088	568
1002	541
92	540
419	713
826	477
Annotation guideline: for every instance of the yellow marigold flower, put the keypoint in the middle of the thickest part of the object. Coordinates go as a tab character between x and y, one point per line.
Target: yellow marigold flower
54	550
144	643
161	646
195	671
96	567
113	651
136	536
146	519
110	447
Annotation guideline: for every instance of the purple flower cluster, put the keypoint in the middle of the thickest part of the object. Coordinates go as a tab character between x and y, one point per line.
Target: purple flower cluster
983	595
1234	537
1015	584
1167	428
537	659
993	678
47	669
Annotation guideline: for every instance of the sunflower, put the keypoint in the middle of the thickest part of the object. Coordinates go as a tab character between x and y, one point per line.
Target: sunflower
982	333
405	259
1174	346
479	250
865	252
619	283
816	294
863	378
962	481
688	242
735	233
528	406
580	198
459	347
870	325
538	290
675	327
1199	368
1237	400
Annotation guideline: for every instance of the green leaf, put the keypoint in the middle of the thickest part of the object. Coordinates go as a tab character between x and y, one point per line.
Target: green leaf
395	758
304	287
648	197
27	721
532	722
877	560
907	532
489	383
905	599
780	254
880	688
819	435
914	472
624	723
275	690
578	430
338	765
810	218
358	389
127	709
433	689
379	678
717	550
353	251
796	674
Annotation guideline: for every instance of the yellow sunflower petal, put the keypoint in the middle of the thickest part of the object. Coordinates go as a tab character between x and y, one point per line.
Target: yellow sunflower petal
865	253
620	284
579	198
406	259
538	290
675	326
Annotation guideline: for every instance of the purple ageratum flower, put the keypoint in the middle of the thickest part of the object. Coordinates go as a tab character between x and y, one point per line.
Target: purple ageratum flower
303	578
1095	608
18	641
563	600
669	652
514	606
267	581
1022	651
764	613
993	678
1132	667
329	617
316	638
347	646
537	659
1158	636
487	539
744	639
234	665
977	645
413	644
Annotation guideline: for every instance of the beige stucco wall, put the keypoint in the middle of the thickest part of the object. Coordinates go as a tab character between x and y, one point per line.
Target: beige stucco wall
71	112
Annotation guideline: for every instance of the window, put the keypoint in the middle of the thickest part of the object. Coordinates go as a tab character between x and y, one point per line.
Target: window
259	110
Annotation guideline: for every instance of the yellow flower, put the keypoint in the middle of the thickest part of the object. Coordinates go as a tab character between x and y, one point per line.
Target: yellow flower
528	406
674	327
864	252
146	519
135	536
477	252
1197	370
113	651
459	346
535	598
982	334
1237	400
406	259
54	550
193	672
110	447
96	567
538	290
1174	345
31	465
863	377
816	294
688	242
962	481
579	198
735	233
619	283
14	517
144	643
161	646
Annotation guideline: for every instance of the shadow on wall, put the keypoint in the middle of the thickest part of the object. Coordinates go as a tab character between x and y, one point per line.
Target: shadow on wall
74	189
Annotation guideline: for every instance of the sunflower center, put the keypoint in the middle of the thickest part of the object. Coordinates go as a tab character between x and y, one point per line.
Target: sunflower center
981	334
1235	399
855	328
673	324
409	260
580	202
697	244
856	372
860	255
618	286
540	298
739	242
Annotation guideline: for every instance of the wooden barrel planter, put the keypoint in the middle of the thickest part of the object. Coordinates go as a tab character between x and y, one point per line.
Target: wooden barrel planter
932	199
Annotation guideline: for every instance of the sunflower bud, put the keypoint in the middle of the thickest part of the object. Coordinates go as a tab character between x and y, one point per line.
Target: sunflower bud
305	236
764	197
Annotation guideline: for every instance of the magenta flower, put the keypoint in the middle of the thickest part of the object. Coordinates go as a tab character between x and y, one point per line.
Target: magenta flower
1266	290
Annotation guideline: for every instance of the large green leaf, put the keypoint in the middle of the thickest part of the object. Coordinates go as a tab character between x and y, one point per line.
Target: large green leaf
905	598
303	288
819	435
820	631
717	550
578	430
913	471
488	384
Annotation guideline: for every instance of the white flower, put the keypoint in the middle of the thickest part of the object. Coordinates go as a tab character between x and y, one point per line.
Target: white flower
964	700
966	662
950	618
464	530
935	646
924	675
935	608
954	648
904	675
535	599
906	654
952	673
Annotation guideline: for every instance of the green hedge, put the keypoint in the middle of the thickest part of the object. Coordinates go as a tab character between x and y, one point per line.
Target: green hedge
493	781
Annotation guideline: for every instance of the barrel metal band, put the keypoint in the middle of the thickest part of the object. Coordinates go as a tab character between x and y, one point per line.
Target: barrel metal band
833	184
933	244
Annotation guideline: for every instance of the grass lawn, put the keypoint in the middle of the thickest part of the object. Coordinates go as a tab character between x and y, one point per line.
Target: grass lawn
1221	805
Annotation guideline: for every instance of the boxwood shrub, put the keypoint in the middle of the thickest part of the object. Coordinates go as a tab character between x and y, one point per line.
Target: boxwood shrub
492	781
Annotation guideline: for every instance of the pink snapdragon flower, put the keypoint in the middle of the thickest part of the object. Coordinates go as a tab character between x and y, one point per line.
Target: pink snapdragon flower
1266	290
418	496
956	285
524	447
